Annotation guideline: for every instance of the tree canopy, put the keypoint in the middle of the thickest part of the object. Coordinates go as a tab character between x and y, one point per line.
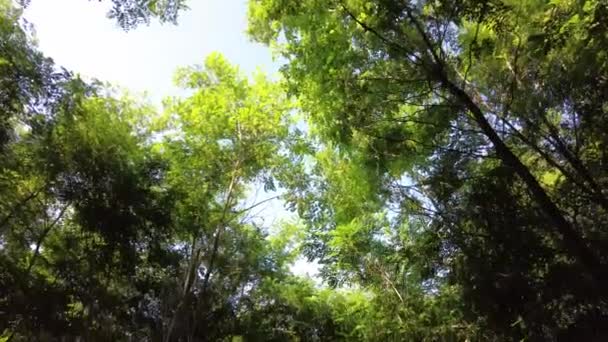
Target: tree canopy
444	162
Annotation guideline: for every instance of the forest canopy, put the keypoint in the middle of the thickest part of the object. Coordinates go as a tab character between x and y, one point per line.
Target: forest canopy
444	162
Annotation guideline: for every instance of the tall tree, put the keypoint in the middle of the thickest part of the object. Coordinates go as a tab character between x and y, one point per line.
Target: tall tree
222	140
430	96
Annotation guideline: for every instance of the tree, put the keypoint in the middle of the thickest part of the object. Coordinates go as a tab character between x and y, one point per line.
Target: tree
224	139
108	219
431	97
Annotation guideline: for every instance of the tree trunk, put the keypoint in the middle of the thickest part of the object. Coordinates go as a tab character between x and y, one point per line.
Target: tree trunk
571	239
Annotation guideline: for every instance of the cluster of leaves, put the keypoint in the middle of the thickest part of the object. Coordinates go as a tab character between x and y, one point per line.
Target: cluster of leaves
129	14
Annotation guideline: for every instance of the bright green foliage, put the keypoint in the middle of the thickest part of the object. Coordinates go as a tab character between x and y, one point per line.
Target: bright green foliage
222	139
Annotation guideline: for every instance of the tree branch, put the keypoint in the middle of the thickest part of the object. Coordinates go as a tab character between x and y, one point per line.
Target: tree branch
43	236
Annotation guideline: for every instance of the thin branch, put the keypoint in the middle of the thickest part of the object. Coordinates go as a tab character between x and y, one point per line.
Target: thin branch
429	45
24	201
466	72
385	40
258	204
220	229
546	156
43	236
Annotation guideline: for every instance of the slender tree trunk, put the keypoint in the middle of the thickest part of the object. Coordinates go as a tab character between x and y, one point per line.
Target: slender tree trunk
194	260
216	244
577	165
571	239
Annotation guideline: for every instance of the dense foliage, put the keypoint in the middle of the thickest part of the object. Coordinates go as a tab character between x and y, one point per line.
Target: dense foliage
445	163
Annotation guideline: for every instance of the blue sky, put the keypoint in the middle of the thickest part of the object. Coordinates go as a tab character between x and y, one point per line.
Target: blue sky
79	37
